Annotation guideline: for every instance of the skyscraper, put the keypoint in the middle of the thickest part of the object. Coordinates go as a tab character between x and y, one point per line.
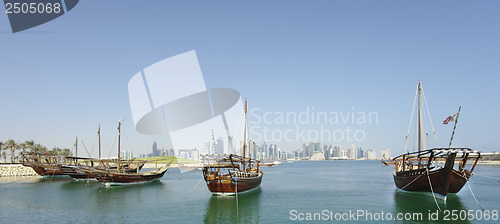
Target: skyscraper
359	152
386	154
155	149
352	152
220	146
338	151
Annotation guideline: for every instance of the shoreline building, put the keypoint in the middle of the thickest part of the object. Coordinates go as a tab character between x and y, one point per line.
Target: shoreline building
352	152
370	155
385	154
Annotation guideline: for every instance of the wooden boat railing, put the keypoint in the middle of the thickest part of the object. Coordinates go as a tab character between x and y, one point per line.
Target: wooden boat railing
426	158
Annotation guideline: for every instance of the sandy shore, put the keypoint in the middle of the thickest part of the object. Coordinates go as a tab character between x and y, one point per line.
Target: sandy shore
489	162
160	165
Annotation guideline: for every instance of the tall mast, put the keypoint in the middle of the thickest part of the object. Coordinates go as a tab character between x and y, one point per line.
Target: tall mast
76	147
99	134
245	135
455	127
419	116
213	144
119	124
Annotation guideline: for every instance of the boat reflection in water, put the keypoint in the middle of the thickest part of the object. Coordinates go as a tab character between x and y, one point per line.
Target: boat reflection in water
223	209
414	203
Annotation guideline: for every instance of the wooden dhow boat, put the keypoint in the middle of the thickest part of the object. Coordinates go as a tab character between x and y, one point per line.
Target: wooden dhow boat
231	174
77	170
439	171
45	164
123	175
111	177
435	170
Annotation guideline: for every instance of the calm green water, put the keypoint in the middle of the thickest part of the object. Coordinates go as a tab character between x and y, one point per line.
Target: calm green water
286	192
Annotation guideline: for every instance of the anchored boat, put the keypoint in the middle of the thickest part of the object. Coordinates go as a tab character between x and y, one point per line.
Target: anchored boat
439	171
124	175
231	174
78	170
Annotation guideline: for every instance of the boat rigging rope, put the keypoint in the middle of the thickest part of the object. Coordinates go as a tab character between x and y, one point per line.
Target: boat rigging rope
92	149
113	145
85	148
429	114
411	119
237	207
432	190
474	195
397	190
493	178
193	188
126	138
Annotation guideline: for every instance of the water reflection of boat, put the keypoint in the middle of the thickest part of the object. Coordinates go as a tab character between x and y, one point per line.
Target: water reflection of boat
221	209
413	203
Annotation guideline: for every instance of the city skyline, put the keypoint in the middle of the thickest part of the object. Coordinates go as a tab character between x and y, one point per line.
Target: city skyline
270	152
64	78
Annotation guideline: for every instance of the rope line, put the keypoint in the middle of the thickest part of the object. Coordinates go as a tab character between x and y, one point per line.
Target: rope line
237	207
494	178
429	114
113	145
397	191
474	195
432	190
411	119
194	187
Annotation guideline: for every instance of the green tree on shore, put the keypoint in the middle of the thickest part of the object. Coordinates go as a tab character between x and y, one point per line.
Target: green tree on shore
12	145
1	148
59	151
28	145
37	148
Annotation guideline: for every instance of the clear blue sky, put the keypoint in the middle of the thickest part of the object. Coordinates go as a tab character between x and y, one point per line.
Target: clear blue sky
61	79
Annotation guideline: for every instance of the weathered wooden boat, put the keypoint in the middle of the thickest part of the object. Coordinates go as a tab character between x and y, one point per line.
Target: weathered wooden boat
45	164
79	172
433	170
112	177
122	175
77	169
231	174
424	171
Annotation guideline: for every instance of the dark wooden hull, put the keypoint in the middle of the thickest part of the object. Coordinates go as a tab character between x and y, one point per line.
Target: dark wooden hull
78	173
46	170
120	178
228	186
418	181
